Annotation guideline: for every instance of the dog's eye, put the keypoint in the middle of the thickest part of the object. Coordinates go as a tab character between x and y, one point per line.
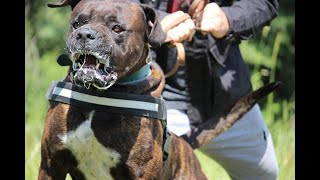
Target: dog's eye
75	25
117	29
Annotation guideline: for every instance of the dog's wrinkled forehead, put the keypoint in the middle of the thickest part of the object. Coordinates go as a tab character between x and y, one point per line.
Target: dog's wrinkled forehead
106	11
139	16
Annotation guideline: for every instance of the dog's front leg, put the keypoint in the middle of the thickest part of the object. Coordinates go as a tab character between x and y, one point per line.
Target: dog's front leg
49	169
56	159
50	173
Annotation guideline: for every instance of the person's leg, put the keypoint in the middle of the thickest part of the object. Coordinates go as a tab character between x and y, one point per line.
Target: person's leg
246	150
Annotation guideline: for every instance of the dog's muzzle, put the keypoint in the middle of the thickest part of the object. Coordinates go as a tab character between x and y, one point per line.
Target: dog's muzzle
91	59
90	68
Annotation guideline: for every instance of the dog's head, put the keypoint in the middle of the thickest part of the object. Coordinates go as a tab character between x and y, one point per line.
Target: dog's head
109	39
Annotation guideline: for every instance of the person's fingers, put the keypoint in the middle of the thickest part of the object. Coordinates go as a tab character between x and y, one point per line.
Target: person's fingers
213	20
208	17
168	38
182	32
191	35
208	25
171	35
188	28
170	18
190	24
197	21
175	34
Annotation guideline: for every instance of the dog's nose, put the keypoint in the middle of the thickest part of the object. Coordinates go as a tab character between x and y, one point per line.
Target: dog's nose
86	34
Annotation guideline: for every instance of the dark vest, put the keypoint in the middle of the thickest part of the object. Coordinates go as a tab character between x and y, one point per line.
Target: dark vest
213	78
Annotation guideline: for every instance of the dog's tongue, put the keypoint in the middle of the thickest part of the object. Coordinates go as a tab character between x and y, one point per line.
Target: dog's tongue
90	61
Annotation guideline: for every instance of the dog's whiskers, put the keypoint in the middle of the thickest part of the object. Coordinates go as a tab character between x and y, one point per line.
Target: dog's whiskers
84	61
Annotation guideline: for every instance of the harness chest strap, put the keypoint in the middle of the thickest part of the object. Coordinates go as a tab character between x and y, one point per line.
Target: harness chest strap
112	102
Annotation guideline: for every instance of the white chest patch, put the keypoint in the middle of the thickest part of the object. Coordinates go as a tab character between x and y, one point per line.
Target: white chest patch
94	160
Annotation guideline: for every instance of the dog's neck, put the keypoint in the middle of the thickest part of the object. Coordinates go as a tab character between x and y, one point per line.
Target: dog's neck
140	74
152	84
136	76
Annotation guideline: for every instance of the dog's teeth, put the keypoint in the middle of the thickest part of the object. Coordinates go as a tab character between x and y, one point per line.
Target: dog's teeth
74	66
105	69
104	61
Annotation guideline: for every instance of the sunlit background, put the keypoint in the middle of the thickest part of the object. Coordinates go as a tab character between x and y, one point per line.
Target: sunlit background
270	56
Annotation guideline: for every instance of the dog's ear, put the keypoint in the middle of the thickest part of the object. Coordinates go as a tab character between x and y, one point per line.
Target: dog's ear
156	36
62	3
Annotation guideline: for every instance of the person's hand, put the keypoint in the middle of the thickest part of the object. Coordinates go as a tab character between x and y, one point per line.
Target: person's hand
212	19
181	32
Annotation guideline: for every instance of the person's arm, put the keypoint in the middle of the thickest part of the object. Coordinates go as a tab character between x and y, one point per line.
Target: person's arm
166	57
246	17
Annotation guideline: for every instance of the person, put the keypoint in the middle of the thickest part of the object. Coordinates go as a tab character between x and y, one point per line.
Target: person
214	77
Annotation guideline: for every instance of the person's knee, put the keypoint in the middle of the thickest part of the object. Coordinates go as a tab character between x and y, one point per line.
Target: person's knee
268	174
267	170
272	172
249	167
269	164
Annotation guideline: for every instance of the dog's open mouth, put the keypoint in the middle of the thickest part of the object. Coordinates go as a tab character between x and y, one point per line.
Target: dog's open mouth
93	69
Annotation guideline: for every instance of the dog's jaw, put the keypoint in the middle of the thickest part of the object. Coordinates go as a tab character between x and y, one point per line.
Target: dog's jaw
92	68
94	160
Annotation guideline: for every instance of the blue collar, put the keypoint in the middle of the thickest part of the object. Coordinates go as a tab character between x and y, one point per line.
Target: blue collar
141	73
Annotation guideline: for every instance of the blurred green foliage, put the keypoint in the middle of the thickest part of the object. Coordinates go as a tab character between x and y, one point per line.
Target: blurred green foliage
270	56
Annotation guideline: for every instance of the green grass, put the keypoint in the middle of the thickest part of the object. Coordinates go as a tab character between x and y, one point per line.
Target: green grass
211	168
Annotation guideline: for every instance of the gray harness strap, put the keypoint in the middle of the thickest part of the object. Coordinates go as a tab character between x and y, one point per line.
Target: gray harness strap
123	103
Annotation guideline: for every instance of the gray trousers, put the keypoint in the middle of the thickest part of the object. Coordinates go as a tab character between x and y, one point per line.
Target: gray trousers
245	151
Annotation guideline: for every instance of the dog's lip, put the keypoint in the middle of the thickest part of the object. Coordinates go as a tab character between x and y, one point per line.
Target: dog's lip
91	76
